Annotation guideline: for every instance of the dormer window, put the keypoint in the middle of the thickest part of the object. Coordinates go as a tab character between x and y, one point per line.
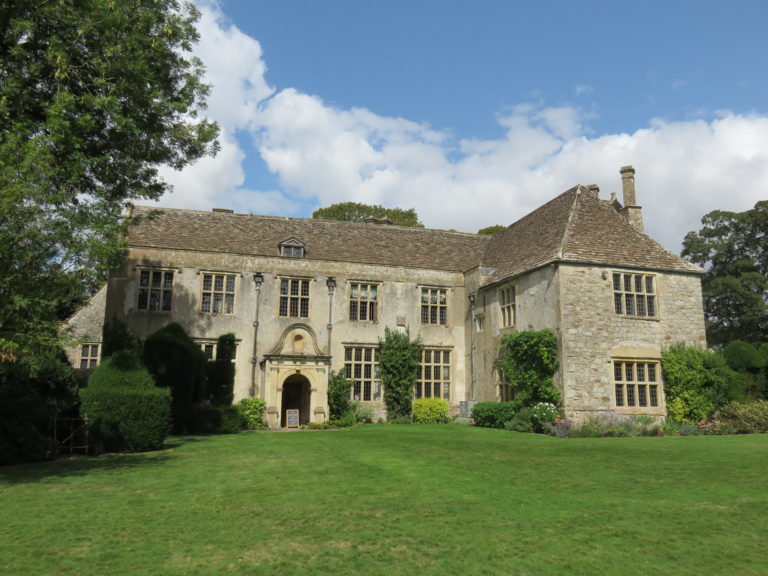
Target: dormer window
292	248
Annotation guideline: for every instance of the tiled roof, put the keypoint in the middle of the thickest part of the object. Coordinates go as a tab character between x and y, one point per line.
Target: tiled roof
576	227
323	239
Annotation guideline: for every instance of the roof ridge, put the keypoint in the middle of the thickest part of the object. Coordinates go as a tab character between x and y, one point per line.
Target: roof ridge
569	222
307	219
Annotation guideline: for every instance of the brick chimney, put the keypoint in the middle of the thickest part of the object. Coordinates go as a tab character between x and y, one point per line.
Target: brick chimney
631	211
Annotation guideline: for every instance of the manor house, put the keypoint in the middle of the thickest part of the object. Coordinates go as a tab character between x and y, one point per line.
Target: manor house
308	297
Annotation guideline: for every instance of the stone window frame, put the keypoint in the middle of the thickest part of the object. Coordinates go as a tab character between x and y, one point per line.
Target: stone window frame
90	355
150	292
635	295
637	383
361	366
434	373
294	304
209	345
292	248
364	306
226	291
433	302
507	306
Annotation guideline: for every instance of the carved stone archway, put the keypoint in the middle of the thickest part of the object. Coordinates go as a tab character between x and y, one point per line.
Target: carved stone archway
296	371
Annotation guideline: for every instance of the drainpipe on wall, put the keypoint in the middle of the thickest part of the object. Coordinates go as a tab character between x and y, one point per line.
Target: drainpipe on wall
258	280
472	299
331	283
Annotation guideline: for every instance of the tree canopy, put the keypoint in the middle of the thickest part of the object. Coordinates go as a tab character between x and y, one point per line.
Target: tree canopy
355	212
491	230
95	97
733	249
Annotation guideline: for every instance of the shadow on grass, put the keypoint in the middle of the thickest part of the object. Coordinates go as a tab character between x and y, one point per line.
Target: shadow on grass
81	465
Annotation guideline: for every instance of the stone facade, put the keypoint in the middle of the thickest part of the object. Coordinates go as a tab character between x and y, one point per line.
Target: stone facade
305	298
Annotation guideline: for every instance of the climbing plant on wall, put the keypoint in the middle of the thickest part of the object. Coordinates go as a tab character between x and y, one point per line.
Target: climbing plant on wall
399	366
528	361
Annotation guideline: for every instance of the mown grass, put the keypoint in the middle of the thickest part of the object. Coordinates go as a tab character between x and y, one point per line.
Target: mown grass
395	500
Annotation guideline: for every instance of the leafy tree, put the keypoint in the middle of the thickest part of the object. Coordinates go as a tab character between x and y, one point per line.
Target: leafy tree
491	230
355	212
95	97
733	249
398	366
528	361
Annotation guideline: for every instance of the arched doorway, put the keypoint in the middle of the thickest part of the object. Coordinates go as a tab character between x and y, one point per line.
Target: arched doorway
296	394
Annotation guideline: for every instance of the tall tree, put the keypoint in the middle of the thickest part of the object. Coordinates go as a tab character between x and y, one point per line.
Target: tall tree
95	97
733	249
355	212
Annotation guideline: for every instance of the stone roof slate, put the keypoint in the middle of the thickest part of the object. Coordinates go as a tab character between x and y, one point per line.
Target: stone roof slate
576	227
330	240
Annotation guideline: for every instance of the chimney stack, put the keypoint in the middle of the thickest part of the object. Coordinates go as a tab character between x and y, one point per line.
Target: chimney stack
628	185
631	211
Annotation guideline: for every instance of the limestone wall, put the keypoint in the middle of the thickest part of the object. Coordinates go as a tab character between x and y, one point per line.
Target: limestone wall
398	307
591	334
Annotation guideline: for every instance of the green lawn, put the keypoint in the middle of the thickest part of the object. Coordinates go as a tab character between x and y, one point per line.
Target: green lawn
395	500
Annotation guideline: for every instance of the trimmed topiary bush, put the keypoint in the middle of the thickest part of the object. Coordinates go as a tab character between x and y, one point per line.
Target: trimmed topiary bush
430	411
493	414
126	411
177	363
221	372
252	413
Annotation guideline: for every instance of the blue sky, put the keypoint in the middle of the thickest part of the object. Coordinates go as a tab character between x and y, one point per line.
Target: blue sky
477	112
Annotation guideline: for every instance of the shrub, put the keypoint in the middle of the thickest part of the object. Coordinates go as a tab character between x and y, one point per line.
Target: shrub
695	382
230	421
363	412
345	420
430	411
252	413
32	394
202	419
338	394
612	425
747	418
126	411
521	422
460	421
493	414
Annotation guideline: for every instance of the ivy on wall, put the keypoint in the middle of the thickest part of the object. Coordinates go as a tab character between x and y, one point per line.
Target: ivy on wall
528	361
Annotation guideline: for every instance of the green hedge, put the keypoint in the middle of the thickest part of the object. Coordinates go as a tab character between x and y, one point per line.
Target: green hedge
430	411
493	414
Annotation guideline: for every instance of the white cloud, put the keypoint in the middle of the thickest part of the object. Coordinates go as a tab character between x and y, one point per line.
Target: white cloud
321	154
